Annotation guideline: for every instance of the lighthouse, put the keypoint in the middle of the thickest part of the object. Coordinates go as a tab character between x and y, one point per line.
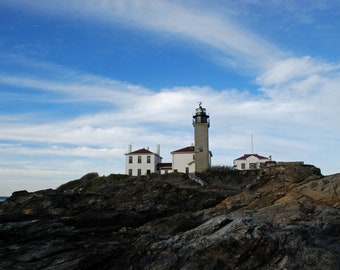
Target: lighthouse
201	126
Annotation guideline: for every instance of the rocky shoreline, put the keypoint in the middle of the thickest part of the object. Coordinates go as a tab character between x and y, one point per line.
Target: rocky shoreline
281	217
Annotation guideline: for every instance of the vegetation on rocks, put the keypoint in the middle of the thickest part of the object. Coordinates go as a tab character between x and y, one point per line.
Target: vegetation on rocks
280	217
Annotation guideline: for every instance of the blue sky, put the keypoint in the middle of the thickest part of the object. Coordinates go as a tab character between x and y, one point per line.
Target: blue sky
80	80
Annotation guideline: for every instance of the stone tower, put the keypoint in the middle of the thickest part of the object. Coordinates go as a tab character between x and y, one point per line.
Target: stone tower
201	125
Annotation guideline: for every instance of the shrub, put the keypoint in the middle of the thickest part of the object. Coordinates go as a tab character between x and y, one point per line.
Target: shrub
221	169
89	176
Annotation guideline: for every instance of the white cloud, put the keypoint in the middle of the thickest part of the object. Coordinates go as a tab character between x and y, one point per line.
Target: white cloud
309	85
235	114
286	125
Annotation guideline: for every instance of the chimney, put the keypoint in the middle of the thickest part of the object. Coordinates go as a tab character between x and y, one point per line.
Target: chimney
158	149
130	148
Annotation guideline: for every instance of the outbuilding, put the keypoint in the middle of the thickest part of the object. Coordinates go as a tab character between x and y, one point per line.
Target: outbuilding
250	162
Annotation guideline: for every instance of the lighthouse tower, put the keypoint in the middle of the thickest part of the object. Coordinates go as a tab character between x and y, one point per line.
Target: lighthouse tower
201	125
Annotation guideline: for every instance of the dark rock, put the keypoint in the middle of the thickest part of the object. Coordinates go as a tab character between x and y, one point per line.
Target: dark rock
286	218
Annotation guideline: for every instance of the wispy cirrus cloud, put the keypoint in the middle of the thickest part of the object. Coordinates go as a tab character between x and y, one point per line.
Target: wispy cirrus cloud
82	87
232	43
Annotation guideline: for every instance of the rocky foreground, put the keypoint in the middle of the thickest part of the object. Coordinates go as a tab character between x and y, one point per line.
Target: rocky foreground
281	217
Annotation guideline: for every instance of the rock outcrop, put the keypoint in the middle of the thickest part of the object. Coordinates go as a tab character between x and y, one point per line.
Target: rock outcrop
280	217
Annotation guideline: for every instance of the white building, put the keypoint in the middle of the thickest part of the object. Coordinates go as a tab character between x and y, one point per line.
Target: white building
250	162
183	160
142	161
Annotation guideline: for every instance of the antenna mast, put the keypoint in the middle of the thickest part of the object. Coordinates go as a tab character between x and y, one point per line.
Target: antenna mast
252	143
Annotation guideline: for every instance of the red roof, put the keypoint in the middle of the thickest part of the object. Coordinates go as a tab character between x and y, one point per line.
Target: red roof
245	156
140	151
185	150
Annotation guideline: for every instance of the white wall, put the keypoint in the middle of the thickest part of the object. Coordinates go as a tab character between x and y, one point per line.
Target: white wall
144	166
182	160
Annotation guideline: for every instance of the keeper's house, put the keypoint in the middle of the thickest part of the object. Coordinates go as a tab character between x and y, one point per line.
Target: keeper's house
142	161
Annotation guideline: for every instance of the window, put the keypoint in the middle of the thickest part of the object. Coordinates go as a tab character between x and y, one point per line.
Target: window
175	170
130	159
201	148
252	166
130	172
148	171
186	169
139	159
243	166
139	172
148	159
